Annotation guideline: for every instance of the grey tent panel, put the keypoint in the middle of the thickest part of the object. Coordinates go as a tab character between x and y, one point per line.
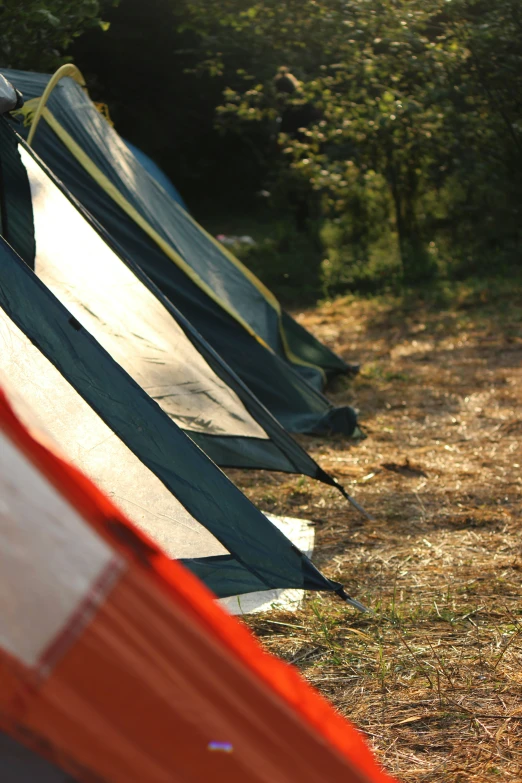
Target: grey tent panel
91	445
18	764
126	318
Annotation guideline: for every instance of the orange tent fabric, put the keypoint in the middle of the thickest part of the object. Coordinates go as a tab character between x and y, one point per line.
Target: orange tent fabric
135	674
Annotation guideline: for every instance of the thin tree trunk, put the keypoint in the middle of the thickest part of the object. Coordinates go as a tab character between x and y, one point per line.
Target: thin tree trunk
399	216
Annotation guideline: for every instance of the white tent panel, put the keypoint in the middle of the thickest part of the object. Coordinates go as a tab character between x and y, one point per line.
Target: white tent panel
54	568
301	533
126	318
89	443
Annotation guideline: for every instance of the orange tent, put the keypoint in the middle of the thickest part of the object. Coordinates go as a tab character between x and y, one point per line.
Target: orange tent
117	665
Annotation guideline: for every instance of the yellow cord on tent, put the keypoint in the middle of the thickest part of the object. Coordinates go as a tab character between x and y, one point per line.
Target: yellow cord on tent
65	70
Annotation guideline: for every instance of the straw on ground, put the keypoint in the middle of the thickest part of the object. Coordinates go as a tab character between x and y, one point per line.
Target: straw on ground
434	677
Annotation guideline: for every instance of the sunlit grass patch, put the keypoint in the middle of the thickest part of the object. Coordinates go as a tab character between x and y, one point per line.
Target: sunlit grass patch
433	675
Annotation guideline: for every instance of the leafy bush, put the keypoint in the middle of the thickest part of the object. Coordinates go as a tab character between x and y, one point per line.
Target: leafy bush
413	143
394	161
35	34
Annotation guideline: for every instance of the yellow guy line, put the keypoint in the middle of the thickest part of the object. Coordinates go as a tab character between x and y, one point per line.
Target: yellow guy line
66	70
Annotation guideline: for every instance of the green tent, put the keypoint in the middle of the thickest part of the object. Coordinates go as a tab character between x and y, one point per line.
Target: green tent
108	426
113	299
278	359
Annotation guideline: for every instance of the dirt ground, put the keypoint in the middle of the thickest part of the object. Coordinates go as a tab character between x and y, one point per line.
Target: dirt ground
434	676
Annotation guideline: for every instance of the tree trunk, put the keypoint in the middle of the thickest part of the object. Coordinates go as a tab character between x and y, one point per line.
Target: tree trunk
416	264
399	216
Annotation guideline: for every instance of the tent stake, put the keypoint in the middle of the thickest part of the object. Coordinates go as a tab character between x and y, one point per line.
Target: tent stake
352	601
354	503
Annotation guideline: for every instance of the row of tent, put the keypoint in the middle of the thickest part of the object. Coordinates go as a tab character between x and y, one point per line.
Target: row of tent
280	362
125	383
120	378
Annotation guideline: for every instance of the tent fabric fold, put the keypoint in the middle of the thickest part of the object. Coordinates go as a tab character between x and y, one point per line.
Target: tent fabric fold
149	680
222	299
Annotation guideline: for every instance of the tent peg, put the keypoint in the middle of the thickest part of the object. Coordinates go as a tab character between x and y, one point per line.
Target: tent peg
341	592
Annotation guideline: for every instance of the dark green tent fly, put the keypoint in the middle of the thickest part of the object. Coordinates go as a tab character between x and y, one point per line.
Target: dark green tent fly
281	363
120	437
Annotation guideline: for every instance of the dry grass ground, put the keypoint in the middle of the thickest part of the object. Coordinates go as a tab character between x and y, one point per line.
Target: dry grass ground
434	676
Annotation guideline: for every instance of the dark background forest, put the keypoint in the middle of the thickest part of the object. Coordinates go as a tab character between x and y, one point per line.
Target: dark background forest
388	154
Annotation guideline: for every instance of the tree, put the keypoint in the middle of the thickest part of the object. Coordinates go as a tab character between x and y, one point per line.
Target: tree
379	82
35	34
417	94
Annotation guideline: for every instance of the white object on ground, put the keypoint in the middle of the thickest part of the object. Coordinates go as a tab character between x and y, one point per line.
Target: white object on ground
301	533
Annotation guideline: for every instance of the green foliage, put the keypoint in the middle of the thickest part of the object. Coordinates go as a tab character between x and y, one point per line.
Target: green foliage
287	261
395	161
157	77
34	34
417	138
